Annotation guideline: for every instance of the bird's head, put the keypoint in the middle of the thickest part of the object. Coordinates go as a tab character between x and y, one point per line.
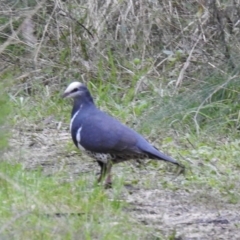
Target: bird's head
74	90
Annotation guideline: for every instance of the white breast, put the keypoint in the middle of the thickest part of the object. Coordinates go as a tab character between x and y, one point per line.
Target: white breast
74	116
78	138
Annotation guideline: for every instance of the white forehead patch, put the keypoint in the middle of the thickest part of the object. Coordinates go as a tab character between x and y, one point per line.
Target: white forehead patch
72	86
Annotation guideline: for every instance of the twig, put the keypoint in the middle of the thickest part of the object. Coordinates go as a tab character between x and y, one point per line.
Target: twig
74	19
43	36
186	64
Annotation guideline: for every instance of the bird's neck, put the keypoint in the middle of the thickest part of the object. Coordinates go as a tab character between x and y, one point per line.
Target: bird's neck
81	102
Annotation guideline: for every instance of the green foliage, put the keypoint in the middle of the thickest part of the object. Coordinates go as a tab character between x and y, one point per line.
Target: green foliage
209	106
16	49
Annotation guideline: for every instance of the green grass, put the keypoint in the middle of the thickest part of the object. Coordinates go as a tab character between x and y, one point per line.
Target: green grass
210	106
5	107
38	207
212	166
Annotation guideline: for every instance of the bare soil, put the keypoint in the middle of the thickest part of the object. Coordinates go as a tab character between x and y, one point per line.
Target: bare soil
184	214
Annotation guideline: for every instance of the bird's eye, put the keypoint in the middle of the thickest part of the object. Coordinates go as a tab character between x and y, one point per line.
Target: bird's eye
75	90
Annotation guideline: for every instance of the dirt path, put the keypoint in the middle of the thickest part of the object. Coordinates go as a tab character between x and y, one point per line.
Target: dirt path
191	214
178	211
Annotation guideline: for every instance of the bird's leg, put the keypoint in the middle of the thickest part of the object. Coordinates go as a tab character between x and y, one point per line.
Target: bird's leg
102	170
108	181
105	171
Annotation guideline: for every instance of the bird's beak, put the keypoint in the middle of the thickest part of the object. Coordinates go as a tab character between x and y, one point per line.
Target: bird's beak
65	95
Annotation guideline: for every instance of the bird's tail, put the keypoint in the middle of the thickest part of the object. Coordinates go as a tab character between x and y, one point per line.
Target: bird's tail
155	154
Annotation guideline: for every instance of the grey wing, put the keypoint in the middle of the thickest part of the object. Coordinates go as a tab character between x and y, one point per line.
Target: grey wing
102	133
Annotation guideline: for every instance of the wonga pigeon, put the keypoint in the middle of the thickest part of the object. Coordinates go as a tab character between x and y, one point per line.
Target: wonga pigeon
103	137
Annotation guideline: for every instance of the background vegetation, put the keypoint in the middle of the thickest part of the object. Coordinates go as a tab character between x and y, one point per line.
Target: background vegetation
169	69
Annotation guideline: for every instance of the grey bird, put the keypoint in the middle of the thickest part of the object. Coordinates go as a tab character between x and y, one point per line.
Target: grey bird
103	137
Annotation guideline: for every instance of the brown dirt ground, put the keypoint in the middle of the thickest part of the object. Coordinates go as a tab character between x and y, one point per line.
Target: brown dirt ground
191	214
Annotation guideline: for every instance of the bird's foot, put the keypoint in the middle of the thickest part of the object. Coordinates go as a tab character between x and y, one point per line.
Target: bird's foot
108	182
181	169
108	185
